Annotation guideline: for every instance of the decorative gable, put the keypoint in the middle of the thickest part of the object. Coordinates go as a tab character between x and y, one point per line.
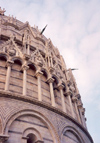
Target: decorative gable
11	48
38	58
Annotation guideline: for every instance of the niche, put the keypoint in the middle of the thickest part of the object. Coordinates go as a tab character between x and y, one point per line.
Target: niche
31	138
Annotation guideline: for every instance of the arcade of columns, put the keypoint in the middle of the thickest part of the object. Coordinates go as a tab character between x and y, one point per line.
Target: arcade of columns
78	105
71	87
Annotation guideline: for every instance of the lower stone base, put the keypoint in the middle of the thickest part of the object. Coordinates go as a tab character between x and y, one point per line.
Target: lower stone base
21	119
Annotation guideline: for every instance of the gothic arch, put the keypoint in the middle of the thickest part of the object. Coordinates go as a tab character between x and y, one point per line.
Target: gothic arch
17	59
31	65
64	86
55	78
4	55
45	72
36	37
74	132
34	114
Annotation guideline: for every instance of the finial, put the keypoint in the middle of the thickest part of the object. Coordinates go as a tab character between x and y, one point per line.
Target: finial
2	11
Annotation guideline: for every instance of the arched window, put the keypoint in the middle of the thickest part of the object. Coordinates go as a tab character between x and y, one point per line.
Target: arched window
31	138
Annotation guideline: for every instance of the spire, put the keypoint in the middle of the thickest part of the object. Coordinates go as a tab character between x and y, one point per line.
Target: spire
2	11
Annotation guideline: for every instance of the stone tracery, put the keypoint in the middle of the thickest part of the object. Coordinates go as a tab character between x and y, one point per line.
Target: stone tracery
34	70
49	61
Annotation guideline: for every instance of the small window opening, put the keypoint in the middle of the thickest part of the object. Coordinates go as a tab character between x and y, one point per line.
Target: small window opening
31	138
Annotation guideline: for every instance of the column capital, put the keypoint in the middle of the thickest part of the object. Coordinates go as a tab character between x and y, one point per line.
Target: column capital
50	80
25	67
3	138
40	64
79	104
83	111
60	86
68	82
74	99
26	56
51	69
78	96
65	93
9	63
38	73
68	93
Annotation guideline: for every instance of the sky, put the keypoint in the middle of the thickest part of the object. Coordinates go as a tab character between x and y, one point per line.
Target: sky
74	28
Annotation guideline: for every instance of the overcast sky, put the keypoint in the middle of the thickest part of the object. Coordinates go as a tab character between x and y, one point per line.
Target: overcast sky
74	28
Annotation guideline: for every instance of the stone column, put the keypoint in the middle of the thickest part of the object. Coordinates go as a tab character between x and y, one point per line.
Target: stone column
76	109
9	64
38	75
28	49
70	102
83	117
80	112
50	81
24	68
60	87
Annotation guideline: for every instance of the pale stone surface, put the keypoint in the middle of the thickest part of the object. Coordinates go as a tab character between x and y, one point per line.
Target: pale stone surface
39	98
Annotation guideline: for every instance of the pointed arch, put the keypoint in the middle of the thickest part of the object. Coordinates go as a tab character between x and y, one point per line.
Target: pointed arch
19	59
45	72
65	88
32	66
56	78
37	57
11	48
35	35
4	55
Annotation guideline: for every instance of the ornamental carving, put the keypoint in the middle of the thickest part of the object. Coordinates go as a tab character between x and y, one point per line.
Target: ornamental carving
38	95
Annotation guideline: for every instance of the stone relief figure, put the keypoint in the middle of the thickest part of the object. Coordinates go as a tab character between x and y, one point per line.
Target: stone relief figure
12	51
26	37
38	59
26	40
72	88
50	61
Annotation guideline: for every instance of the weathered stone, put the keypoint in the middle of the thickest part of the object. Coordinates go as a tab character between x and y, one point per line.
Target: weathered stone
51	109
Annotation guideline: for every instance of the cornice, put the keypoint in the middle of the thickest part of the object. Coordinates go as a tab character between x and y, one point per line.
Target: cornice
11	95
